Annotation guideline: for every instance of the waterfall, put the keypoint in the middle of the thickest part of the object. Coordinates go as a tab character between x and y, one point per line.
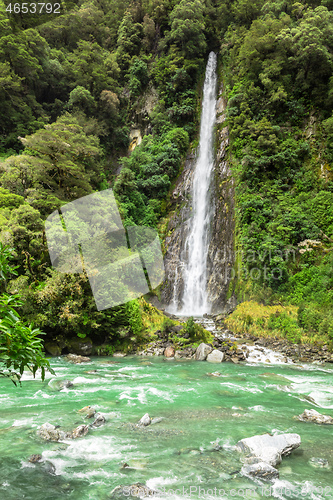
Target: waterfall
194	262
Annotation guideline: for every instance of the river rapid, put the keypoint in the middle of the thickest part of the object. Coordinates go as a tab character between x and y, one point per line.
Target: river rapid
190	450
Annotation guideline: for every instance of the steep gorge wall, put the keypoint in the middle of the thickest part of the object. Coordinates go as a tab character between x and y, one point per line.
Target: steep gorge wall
221	253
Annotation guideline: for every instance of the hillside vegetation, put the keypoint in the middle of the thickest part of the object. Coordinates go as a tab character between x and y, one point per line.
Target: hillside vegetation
74	85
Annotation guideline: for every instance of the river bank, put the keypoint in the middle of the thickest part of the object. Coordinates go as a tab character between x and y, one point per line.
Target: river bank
233	348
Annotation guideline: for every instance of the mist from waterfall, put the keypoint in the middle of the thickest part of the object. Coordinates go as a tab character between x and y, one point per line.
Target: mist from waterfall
194	263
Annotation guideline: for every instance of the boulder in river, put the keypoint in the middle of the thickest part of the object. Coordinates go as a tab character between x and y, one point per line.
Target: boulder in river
35	458
202	351
87	411
260	470
319	463
156	420
50	432
74	358
58	385
169	352
145	420
315	416
215	356
99	420
79	431
269	449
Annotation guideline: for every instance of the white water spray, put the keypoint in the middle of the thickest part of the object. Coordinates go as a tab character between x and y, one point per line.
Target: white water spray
194	267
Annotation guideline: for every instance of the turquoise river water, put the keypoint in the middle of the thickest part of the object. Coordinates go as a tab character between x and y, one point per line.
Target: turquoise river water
179	456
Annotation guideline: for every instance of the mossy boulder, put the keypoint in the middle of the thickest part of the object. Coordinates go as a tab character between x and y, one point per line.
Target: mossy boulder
82	347
53	348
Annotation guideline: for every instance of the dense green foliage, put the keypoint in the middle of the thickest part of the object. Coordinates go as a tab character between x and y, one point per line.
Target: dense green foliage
75	86
278	68
20	343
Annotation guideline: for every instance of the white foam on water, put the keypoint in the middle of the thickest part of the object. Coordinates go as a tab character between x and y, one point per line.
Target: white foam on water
161	394
86	380
140	396
22	422
315	389
265	356
41	394
284	489
130	368
95	473
156	483
241	388
257	408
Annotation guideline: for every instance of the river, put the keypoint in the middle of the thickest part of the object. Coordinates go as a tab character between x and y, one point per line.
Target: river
192	447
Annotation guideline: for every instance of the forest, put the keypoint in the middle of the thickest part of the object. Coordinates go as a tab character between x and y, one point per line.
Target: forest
74	85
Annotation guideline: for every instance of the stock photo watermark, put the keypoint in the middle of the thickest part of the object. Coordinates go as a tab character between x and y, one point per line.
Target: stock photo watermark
256	265
141	491
88	236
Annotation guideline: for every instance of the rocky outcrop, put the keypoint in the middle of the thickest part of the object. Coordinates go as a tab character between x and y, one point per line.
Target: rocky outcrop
145	420
53	348
33	459
221	255
319	463
58	385
260	470
87	411
202	351
79	431
267	448
82	347
99	420
265	452
315	416
215	356
74	358
50	432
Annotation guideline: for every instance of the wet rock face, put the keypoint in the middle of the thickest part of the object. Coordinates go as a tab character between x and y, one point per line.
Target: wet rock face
221	257
220	253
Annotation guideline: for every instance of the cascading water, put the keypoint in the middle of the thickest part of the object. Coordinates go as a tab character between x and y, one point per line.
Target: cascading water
194	265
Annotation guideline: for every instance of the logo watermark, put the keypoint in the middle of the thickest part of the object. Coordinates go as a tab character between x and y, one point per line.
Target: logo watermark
199	492
88	236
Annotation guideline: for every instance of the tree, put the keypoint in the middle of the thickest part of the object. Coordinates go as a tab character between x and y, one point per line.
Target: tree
20	344
60	159
187	25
